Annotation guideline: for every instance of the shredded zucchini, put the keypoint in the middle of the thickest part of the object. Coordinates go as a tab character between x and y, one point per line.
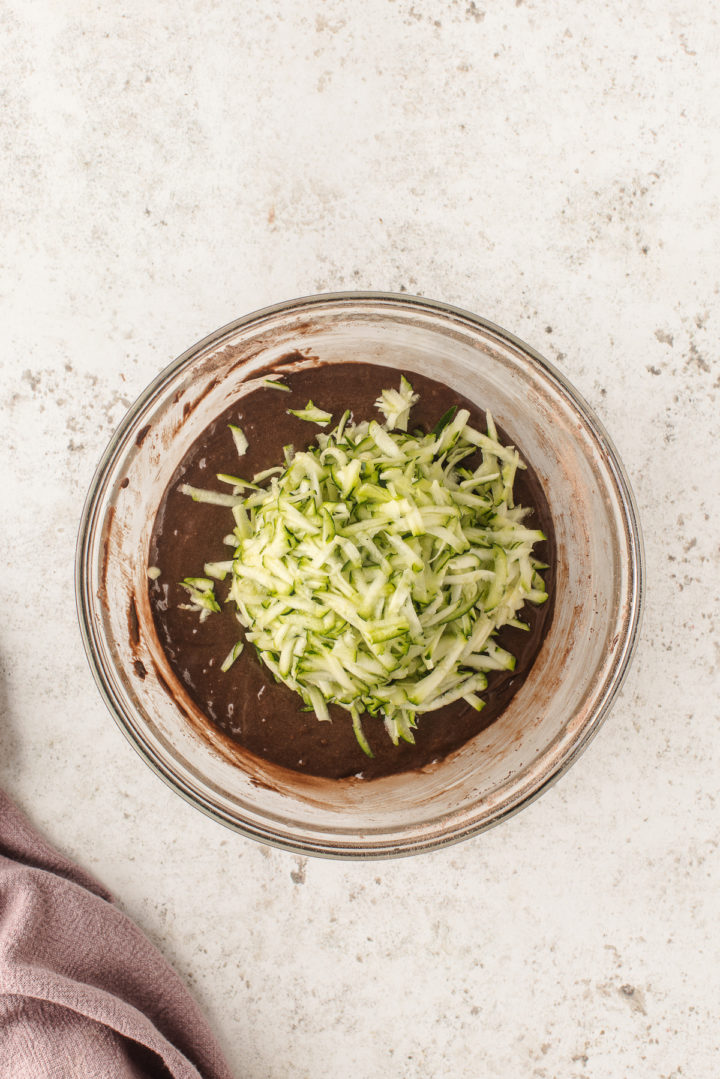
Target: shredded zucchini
239	438
375	568
276	384
312	414
232	656
202	596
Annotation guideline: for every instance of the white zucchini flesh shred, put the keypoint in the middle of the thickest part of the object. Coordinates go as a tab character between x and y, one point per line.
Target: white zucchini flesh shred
239	438
374	570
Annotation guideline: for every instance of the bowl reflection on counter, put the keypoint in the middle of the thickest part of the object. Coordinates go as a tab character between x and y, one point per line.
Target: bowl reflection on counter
573	681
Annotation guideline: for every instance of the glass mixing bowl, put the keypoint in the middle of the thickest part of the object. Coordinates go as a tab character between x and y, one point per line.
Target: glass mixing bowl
573	681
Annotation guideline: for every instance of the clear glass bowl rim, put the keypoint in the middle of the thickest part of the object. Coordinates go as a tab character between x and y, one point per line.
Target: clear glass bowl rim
635	568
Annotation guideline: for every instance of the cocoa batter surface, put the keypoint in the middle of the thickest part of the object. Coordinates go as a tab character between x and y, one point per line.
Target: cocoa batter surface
264	716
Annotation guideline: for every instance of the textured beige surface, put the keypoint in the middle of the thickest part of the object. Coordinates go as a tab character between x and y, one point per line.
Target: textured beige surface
168	167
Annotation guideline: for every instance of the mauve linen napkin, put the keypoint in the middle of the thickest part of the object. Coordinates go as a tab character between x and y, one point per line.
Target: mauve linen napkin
82	992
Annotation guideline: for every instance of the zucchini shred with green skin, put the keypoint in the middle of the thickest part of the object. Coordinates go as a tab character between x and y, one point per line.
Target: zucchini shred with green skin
374	569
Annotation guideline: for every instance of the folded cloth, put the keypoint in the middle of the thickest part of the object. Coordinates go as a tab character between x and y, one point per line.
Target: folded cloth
82	992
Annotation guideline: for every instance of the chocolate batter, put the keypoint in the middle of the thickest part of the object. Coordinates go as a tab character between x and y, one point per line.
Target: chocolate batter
245	702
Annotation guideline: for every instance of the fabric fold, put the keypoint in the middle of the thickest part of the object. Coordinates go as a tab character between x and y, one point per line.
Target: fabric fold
82	990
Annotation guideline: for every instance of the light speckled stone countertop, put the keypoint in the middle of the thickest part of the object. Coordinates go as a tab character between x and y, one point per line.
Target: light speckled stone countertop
554	167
